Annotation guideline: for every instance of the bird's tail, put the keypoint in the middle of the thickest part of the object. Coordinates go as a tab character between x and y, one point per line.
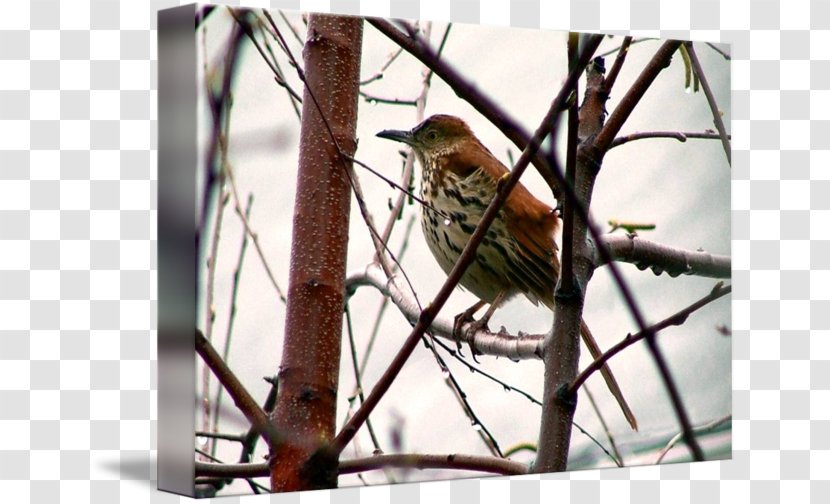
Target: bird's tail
591	343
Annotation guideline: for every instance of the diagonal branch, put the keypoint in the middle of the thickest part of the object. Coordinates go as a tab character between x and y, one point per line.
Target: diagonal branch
673	320
710	97
661	60
240	395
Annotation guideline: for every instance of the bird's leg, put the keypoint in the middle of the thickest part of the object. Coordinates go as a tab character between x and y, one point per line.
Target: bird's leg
461	319
475	325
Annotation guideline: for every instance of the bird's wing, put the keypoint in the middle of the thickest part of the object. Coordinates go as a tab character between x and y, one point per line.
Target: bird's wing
531	223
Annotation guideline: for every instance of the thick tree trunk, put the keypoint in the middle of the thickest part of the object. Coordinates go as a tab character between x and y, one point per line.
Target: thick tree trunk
305	412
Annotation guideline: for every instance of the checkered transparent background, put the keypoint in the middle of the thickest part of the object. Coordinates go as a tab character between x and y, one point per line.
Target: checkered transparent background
78	251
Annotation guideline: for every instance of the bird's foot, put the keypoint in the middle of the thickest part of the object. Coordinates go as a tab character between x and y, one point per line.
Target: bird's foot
473	326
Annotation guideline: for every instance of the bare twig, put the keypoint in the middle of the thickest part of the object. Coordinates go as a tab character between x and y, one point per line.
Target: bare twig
217	107
635	41
675	319
254	236
210	311
255	487
393	184
617	457
379	74
680	136
703	429
719	51
483	432
241	397
388	101
618	63
237	273
221	435
356	367
415	461
710	97
376	327
278	75
661	60
290	26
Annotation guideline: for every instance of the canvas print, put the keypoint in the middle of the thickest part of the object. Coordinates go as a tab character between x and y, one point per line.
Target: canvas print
428	251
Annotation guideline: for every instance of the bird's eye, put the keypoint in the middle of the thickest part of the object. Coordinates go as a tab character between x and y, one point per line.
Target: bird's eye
432	135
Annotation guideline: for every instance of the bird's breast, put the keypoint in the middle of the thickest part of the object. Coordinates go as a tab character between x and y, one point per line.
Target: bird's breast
457	207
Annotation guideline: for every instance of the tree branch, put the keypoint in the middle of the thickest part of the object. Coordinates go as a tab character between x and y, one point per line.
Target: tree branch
661	59
673	320
663	258
240	395
710	97
643	253
414	461
680	136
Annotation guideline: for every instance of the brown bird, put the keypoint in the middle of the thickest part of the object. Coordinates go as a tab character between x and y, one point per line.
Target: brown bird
518	255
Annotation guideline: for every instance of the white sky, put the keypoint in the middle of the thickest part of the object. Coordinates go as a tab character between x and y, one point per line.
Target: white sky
684	188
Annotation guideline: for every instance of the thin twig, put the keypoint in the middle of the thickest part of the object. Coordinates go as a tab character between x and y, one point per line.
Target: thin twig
288	23
404	460
449	378
703	429
293	97
660	60
617	457
237	273
675	319
719	51
710	97
356	367
393	184
618	63
510	388
278	75
680	136
256	487
379	74
221	435
635	41
210	311
376	327
241	397
254	236
216	104
388	101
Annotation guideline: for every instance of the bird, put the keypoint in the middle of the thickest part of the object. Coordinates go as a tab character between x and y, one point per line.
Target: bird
518	255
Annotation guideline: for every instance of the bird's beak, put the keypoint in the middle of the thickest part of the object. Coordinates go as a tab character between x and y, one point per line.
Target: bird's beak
397	135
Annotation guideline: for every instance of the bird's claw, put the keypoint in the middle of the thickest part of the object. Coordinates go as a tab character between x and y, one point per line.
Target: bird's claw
474	326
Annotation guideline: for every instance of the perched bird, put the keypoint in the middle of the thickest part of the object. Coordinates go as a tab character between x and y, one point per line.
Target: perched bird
518	255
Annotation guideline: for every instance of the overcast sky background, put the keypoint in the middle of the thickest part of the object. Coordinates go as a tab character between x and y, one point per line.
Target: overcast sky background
683	188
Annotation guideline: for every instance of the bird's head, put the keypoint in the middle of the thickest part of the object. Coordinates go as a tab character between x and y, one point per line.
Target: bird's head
437	135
